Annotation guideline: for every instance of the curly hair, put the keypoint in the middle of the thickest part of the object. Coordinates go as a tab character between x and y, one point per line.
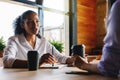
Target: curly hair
19	21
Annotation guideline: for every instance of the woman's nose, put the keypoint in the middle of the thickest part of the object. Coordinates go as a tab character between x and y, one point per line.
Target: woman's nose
35	23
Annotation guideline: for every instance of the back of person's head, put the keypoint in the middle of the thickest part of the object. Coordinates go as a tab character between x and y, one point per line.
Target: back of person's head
19	22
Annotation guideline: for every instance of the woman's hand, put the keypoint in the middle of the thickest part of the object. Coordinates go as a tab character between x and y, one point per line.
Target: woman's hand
70	60
47	58
79	62
83	64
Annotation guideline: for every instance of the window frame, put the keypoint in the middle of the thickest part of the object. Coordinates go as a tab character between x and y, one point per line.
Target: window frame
70	16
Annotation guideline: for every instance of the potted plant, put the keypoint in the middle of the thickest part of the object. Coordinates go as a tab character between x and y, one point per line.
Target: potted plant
2	46
58	45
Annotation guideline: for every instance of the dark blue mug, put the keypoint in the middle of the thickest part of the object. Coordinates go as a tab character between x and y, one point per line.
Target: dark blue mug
78	50
33	60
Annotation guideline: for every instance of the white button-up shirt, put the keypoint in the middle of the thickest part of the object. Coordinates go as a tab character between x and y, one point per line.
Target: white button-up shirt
18	47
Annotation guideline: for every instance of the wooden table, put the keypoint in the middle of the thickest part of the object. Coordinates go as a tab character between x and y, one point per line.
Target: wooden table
48	74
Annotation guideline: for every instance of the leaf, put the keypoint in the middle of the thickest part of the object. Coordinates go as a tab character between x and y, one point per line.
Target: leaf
58	45
2	44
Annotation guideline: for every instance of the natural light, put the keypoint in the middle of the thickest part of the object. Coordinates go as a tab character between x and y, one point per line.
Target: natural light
7	15
51	20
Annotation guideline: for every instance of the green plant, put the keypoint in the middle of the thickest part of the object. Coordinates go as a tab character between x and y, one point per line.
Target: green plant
2	44
58	45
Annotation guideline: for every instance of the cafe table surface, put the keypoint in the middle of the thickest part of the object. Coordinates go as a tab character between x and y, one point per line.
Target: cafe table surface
49	74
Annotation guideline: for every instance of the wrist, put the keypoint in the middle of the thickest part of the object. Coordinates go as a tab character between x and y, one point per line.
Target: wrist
83	66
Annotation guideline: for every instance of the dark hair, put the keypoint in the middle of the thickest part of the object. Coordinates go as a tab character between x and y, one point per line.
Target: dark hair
19	21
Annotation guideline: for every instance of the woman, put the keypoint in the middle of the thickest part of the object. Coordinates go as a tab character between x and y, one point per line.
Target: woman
109	64
27	38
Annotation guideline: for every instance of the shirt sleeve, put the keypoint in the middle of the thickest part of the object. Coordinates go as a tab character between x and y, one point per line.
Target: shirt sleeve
110	62
9	53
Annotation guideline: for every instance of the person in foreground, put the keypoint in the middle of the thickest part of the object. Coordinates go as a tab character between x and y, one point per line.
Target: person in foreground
26	38
109	65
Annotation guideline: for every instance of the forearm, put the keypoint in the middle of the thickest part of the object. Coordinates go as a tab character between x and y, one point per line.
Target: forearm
20	64
90	67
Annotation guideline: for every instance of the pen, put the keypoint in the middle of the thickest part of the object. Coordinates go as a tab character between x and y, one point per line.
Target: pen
52	54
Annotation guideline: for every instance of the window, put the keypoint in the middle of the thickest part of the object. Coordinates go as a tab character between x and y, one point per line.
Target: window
55	23
7	15
55	19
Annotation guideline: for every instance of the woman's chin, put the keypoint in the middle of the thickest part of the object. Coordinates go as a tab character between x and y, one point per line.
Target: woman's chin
35	32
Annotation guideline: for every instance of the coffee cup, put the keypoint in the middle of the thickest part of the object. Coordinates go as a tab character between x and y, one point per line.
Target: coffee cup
78	50
33	61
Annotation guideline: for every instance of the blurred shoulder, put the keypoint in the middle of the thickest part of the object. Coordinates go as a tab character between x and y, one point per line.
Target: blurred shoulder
43	38
16	37
116	4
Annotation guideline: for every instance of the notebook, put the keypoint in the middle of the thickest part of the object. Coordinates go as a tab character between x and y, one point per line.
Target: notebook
50	66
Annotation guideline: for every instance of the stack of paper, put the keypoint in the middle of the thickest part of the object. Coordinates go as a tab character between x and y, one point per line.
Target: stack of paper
50	66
